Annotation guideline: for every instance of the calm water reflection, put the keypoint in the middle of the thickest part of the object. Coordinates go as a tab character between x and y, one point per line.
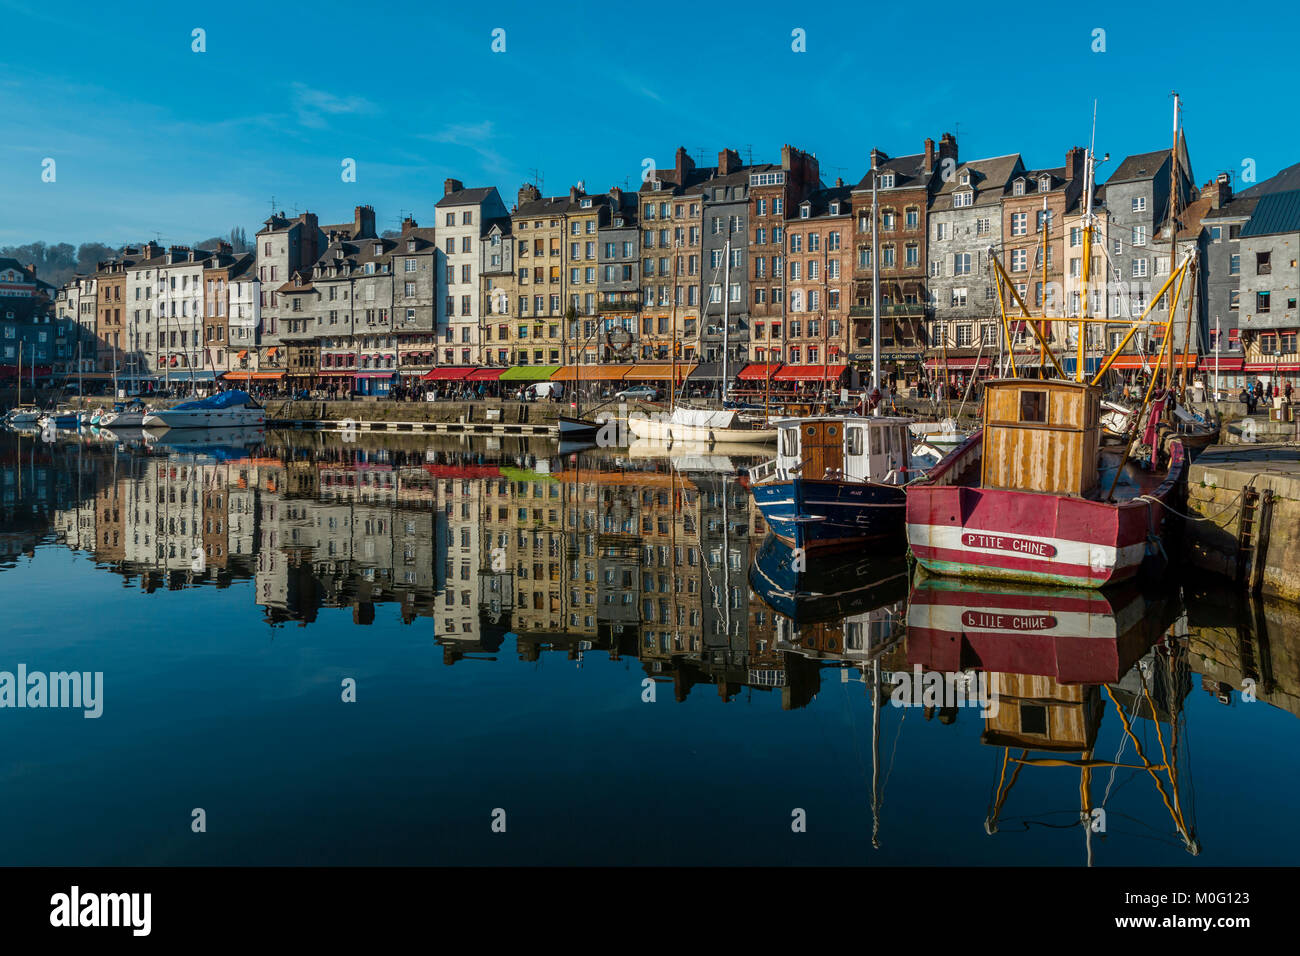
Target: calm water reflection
606	645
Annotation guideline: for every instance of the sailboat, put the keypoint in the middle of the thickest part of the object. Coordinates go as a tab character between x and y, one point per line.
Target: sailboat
1035	495
21	414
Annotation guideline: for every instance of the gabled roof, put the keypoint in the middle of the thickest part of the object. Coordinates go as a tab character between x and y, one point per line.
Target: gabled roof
909	172
1284	181
1139	166
819	203
466	197
1275	213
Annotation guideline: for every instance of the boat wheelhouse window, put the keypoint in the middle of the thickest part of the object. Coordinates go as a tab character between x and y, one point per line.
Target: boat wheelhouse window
854	443
1033	719
789	441
875	441
1033	406
831	431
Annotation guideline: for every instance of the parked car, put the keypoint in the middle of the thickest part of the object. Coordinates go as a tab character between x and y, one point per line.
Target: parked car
646	393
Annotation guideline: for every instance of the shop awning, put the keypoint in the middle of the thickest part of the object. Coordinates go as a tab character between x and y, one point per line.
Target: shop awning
709	372
484	375
243	353
662	372
1268	368
805	373
758	372
958	362
272	350
529	373
1209	363
239	376
1138	361
448	373
381	374
591	373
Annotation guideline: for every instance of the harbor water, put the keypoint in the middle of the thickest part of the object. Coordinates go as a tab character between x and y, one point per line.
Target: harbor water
296	648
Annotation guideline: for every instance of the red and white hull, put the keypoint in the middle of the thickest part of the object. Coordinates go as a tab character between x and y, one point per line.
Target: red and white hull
968	531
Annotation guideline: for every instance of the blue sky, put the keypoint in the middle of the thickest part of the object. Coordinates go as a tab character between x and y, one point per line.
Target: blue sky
151	138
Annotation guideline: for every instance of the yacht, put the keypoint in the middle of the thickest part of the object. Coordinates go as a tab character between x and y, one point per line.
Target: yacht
229	409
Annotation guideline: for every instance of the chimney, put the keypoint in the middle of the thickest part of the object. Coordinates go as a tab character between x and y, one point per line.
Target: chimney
839	182
32	270
877	157
1074	163
948	148
151	250
728	162
528	193
684	164
409	225
1220	190
224	248
574	192
616	199
450	186
363	222
929	155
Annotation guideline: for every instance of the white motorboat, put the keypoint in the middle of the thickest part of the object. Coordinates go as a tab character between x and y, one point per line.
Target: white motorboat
125	416
24	415
702	425
229	409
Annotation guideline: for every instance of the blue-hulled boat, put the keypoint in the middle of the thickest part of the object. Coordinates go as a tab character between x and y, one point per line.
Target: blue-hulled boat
837	480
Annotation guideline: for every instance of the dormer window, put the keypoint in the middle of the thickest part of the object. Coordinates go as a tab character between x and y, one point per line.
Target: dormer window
963	197
410	245
618	222
1044	184
964	179
379	249
805	210
835	209
586	203
1018	188
887	181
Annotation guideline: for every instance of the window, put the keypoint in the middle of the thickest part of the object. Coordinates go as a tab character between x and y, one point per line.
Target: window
1033	406
1234	265
1019	260
1216	233
962	198
1139	235
1263	265
1139	268
1139	203
1018	188
940	231
853	441
1262	301
958	300
961	264
1019	223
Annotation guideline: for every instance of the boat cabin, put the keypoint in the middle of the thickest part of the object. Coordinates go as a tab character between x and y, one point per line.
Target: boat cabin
845	448
1041	435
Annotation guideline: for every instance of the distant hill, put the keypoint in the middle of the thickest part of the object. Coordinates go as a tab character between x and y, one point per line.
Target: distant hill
58	262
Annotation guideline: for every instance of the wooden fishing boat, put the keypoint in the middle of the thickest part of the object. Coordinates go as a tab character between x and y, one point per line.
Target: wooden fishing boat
1034	496
702	425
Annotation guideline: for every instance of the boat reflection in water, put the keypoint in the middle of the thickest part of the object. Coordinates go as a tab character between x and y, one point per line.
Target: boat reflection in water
831	607
1051	664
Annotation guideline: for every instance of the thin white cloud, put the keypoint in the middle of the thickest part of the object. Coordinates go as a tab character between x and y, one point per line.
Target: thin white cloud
313	105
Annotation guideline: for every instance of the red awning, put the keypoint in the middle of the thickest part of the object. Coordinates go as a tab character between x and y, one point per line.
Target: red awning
1136	361
757	372
806	373
463	471
958	362
484	375
447	374
1267	368
1209	364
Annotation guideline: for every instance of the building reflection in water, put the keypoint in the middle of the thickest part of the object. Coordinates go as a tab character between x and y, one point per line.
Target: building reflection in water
505	545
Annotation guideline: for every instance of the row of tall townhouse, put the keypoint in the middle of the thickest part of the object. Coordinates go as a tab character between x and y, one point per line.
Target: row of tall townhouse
648	276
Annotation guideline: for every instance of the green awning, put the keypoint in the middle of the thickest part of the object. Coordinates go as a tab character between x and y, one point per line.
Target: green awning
529	373
525	474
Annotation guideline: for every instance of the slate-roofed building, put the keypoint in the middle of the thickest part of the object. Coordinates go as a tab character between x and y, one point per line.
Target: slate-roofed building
462	217
1270	286
965	222
819	279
